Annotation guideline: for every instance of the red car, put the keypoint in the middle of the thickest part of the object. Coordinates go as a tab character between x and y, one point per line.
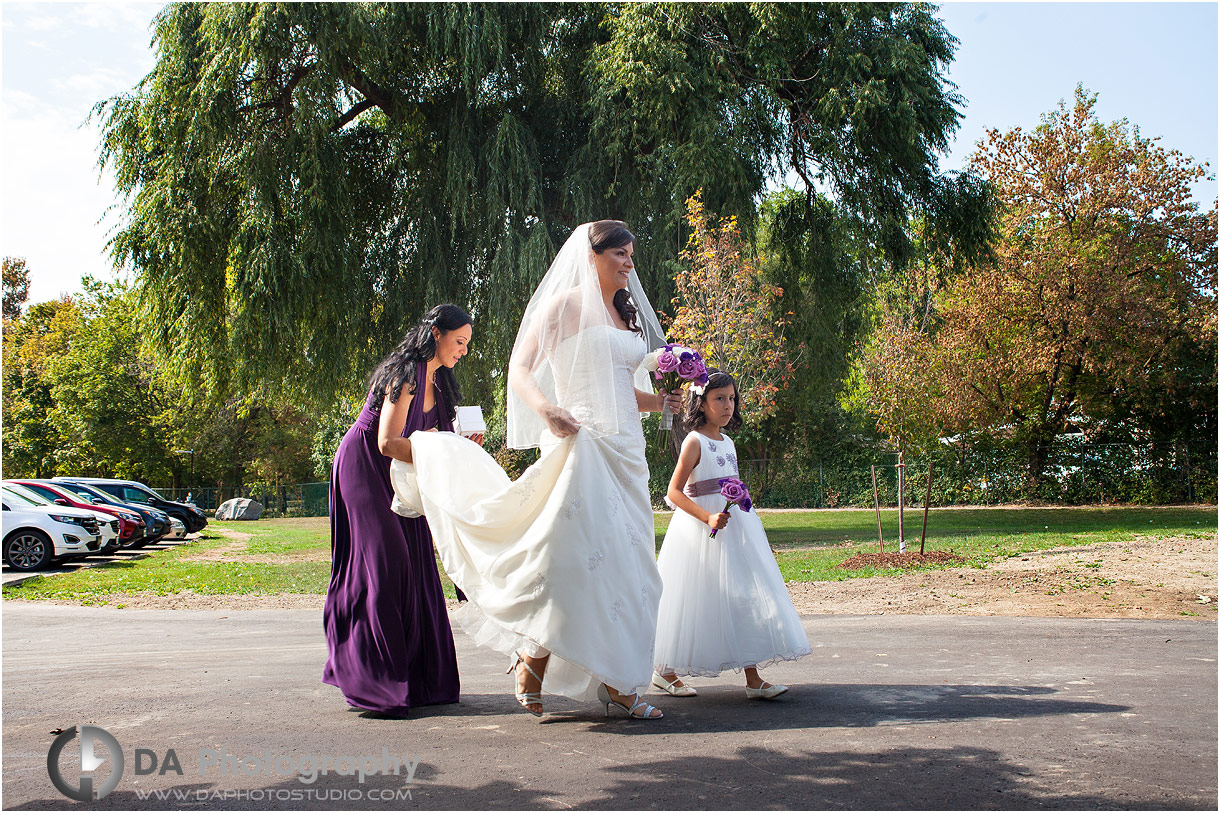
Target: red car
131	527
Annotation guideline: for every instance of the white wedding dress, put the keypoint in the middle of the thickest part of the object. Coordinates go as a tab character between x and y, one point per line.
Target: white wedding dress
563	558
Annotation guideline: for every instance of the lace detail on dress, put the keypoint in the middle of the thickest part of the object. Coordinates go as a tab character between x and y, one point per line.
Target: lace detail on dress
711	446
595	561
571	509
537	587
732	458
616	610
720	461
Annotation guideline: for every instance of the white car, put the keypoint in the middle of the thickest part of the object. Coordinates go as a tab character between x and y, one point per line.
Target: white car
106	523
177	530
33	536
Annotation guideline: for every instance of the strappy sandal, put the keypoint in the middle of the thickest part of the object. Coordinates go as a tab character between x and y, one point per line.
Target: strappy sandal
527	699
603	694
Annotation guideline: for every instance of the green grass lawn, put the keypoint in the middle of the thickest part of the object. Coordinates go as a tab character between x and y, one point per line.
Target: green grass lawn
810	545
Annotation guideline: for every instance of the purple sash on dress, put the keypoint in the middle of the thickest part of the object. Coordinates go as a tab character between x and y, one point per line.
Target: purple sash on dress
702	488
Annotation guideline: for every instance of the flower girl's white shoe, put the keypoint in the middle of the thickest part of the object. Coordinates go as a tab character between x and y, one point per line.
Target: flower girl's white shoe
670	686
765	691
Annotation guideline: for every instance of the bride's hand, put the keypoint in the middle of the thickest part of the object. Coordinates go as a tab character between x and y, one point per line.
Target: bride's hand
560	422
673	400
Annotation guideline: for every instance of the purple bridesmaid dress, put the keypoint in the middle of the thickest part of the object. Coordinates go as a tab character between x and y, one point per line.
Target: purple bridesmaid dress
387	625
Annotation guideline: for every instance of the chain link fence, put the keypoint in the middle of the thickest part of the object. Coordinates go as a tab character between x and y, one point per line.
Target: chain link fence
1074	473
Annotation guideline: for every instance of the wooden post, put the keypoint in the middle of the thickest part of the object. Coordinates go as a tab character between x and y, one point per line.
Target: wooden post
927	500
902	538
877	508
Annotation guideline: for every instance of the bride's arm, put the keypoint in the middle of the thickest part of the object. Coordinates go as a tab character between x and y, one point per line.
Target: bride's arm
559	420
390	441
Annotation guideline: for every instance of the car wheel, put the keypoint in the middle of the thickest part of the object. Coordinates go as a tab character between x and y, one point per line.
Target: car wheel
28	549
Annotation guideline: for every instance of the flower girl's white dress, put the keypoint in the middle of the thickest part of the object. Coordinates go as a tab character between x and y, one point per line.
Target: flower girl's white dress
724	605
563	558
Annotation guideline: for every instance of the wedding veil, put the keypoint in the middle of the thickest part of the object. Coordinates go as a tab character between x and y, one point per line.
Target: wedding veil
568	344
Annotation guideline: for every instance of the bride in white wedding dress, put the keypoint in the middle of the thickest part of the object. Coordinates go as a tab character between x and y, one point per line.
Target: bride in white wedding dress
560	565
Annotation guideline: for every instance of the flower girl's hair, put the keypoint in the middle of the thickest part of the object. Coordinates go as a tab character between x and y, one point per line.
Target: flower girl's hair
692	414
418	345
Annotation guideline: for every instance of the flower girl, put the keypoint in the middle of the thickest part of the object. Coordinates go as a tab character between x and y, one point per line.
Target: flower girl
724	603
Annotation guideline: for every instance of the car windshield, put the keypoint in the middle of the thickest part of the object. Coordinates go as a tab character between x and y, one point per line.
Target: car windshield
153	492
87	492
10	490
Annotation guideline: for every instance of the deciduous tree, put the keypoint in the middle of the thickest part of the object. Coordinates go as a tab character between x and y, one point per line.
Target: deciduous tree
1104	279
16	286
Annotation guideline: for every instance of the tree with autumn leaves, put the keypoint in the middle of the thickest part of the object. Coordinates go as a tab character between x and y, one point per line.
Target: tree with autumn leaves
1098	308
724	308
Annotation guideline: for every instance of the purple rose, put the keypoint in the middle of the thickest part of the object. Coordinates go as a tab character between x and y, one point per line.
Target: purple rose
746	504
667	362
688	368
686	355
733	490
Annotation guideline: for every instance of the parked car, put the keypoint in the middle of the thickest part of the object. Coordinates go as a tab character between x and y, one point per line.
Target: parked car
176	529
156	523
130	491
107	525
131	524
33	538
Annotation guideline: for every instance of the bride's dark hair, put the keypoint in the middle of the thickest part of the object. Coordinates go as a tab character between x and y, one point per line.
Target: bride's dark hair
606	234
418	345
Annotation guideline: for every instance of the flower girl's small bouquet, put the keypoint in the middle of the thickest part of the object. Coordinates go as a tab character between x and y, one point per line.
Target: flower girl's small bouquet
735	493
671	366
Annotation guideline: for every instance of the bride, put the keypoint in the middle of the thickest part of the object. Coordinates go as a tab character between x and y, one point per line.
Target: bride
560	565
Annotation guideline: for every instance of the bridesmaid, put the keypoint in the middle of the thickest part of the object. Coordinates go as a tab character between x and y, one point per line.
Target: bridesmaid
387	626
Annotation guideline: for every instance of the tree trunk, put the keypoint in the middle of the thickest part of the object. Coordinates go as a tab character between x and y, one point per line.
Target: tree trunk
1036	463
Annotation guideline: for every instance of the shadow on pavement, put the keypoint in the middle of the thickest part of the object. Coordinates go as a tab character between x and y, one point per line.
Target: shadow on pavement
755	778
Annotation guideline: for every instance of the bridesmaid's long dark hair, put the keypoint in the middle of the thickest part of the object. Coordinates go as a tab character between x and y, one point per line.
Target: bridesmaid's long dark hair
398	368
606	234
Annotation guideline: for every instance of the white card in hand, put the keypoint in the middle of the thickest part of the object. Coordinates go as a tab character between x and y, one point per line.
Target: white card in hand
469	421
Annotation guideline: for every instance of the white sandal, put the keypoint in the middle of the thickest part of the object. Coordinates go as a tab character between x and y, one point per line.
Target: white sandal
603	694
527	699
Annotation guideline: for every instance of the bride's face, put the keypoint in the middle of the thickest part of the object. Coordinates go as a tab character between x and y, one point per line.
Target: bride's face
614	266
451	346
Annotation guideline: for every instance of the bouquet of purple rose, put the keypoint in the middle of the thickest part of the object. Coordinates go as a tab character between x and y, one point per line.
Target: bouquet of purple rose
671	366
735	493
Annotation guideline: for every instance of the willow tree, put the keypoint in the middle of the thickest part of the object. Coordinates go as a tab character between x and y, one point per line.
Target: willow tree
302	180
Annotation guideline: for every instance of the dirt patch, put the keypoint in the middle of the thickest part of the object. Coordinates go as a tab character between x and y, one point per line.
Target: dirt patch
1141	578
879	560
235	552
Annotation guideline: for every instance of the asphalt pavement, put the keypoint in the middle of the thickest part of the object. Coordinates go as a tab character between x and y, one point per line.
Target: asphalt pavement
890	712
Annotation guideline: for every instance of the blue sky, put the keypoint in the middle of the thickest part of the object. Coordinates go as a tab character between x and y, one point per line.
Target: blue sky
1154	64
